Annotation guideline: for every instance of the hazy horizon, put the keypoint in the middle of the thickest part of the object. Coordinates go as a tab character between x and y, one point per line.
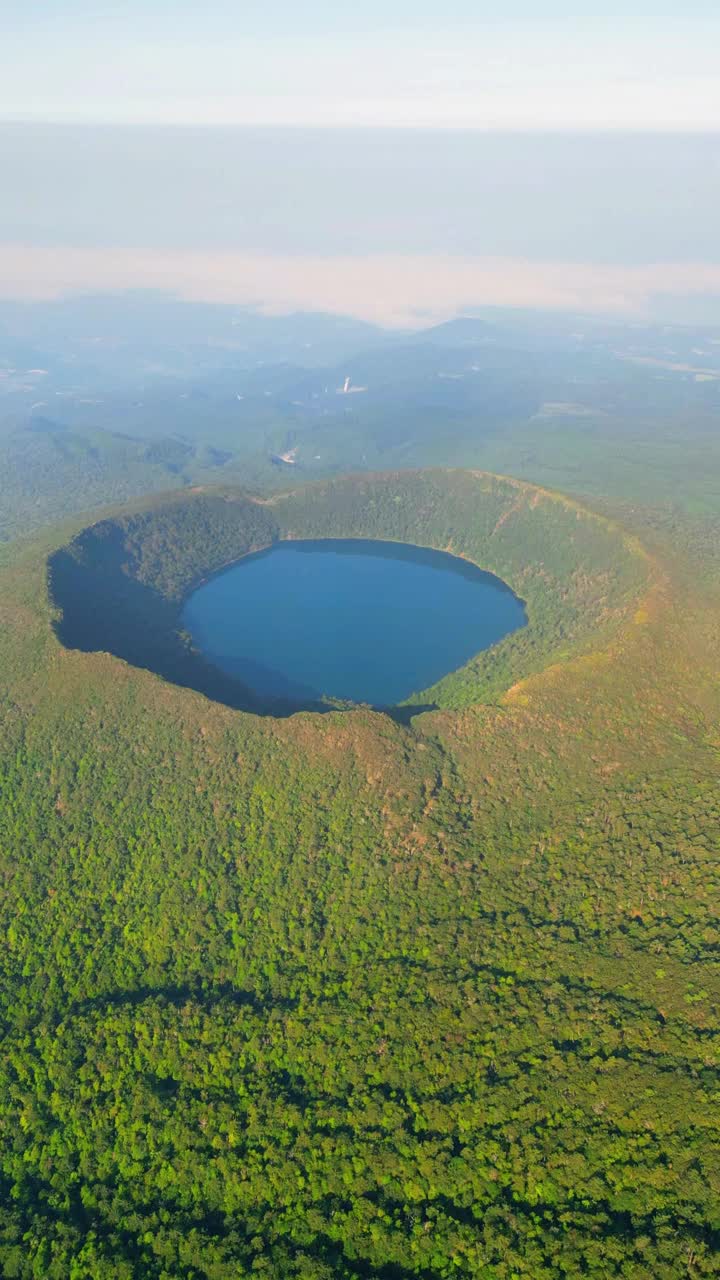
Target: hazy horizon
643	65
387	161
397	227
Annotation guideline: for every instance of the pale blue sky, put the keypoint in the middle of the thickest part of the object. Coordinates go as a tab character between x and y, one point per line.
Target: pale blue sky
402	156
466	64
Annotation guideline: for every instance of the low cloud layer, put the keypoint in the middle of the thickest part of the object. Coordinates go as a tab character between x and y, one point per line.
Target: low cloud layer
388	289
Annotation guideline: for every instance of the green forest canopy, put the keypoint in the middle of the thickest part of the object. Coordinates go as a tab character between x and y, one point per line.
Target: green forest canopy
120	583
336	996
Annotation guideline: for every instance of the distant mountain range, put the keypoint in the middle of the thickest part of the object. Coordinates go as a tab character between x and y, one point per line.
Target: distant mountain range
111	396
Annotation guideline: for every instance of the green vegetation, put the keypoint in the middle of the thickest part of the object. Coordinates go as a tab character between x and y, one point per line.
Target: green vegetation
333	996
48	473
591	407
120	583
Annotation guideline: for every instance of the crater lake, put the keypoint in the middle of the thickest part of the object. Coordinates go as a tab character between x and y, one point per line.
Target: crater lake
363	621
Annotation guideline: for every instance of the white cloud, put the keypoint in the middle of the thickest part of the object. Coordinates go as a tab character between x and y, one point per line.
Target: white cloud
384	288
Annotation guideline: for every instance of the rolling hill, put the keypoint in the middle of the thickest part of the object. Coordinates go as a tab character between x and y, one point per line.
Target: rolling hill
344	994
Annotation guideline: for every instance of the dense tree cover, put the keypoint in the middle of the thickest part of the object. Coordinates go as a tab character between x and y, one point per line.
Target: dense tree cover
49	471
592	407
120	584
334	996
577	573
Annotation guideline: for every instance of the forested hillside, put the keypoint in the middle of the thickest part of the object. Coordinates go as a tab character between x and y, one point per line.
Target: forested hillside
138	393
336	996
119	584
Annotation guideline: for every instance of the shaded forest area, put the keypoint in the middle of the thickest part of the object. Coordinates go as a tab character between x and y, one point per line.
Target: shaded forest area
334	996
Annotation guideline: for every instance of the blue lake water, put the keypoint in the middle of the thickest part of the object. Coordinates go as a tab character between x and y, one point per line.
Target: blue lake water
367	621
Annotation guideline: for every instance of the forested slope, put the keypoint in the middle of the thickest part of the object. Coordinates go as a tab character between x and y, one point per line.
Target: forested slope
329	996
120	583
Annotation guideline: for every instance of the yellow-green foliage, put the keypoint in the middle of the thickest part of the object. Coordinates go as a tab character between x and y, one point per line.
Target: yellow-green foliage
120	583
329	996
